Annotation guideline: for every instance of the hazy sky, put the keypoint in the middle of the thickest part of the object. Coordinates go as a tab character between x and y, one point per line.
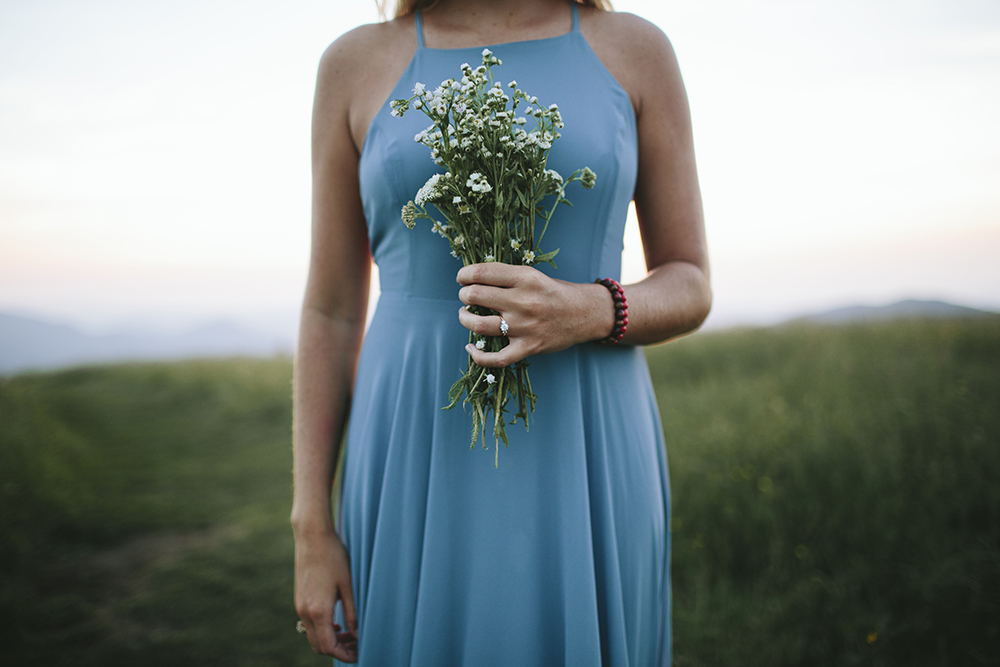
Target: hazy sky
154	157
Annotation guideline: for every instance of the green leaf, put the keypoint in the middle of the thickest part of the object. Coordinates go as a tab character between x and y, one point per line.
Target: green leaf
547	257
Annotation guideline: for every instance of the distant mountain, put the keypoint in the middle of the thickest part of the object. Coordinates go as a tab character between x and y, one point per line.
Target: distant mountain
908	309
29	344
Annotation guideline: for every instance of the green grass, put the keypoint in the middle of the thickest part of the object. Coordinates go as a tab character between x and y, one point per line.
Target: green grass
835	502
145	515
836	494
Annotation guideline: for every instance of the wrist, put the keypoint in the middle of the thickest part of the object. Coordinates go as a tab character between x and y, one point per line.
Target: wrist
619	308
599	313
317	522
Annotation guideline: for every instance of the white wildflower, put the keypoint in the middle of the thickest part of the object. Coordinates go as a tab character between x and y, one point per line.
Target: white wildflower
409	214
490	379
529	258
480	344
456	200
515	244
429	191
477	183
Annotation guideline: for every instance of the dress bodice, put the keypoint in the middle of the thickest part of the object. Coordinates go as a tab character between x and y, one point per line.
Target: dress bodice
599	133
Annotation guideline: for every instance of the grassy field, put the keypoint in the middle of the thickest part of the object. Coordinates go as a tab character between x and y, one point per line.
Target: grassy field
836	497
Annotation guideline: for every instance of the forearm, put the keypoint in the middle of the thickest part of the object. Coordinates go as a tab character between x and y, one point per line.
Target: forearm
324	373
672	300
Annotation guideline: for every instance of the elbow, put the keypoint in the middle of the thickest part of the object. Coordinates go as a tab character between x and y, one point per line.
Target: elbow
698	303
703	305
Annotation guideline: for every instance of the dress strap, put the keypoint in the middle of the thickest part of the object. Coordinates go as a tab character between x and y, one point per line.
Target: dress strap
418	21
576	16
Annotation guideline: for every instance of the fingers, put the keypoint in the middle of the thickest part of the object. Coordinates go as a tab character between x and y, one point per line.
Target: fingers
488	296
484	325
347	599
513	353
327	637
493	273
346	648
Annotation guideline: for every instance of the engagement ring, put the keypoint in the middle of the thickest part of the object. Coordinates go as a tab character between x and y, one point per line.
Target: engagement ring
503	327
300	627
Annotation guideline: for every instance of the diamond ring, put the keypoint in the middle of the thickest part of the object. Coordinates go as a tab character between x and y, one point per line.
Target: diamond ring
300	627
504	328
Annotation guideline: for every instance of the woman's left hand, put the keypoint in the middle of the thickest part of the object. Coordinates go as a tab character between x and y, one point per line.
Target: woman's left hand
543	314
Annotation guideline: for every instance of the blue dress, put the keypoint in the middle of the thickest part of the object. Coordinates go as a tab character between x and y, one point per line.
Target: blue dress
561	555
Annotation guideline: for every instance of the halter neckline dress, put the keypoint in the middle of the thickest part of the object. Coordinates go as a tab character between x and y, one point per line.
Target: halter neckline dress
561	555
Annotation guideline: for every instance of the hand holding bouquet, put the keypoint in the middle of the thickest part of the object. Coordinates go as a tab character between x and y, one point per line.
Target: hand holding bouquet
494	189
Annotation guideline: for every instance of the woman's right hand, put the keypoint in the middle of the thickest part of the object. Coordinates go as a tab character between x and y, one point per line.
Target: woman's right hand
322	576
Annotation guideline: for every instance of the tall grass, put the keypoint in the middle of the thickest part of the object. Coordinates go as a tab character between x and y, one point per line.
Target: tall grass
147	507
835	502
836	494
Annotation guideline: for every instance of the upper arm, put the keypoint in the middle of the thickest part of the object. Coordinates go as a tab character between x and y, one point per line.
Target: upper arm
667	195
340	260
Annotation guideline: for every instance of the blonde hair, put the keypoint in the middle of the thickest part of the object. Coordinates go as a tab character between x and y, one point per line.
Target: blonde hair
404	7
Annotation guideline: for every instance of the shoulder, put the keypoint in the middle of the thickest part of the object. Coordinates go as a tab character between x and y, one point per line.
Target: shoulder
636	51
626	30
352	58
368	47
357	72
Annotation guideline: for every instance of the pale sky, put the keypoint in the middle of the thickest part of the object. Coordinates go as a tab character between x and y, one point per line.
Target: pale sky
154	158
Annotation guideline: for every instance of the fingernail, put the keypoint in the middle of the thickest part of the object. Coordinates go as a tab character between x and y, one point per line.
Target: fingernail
470	348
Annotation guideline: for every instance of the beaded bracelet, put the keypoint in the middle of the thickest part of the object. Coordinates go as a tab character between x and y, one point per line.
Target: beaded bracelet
621	310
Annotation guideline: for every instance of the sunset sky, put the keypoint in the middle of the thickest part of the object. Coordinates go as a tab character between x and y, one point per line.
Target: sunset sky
154	157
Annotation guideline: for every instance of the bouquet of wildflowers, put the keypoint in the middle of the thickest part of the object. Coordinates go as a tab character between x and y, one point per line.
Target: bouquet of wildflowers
494	189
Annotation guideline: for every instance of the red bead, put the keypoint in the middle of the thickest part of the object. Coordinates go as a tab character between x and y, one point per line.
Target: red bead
621	310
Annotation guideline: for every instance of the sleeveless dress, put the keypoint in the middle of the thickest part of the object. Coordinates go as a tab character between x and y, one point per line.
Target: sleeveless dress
561	555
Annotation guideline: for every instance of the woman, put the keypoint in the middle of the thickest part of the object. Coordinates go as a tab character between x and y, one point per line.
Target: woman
560	556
